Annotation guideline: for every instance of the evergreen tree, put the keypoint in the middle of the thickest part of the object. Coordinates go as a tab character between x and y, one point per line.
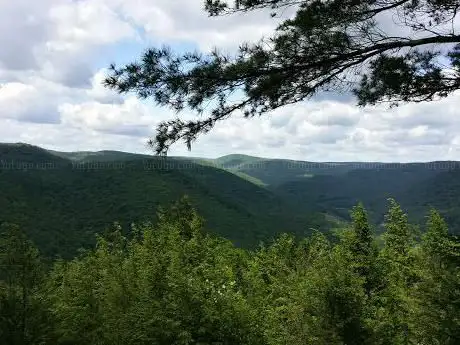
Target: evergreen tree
332	45
172	283
437	296
397	259
355	259
363	247
399	237
23	317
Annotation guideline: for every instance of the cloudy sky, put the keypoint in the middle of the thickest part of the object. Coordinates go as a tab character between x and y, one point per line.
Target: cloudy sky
52	59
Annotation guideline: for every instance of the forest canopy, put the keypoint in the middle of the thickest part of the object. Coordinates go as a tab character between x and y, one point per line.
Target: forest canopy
172	283
381	51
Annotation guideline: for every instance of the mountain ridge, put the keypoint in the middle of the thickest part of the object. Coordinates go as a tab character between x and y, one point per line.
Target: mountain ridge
62	206
227	157
244	198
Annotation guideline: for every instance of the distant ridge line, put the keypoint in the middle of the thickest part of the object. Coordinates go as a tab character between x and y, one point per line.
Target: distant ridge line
236	156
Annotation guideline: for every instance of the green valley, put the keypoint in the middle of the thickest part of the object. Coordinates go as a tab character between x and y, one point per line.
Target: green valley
62	202
62	199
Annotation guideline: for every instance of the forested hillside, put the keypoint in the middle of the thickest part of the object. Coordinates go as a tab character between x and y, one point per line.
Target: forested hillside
333	187
173	283
62	203
62	199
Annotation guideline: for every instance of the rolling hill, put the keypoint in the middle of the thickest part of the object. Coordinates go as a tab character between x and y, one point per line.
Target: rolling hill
275	172
62	199
334	188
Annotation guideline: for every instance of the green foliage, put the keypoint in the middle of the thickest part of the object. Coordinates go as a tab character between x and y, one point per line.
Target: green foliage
399	236
362	249
437	296
23	313
332	45
62	206
417	186
173	283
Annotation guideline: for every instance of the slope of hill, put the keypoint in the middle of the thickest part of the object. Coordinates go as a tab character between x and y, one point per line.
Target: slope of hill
19	155
417	187
442	192
274	172
100	156
61	206
334	188
62	199
236	161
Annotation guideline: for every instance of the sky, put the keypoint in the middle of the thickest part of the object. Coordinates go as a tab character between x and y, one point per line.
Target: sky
53	57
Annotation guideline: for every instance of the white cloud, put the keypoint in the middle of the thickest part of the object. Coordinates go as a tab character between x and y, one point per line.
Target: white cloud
130	118
66	138
373	134
51	92
166	20
56	39
99	93
80	24
36	99
23	28
25	103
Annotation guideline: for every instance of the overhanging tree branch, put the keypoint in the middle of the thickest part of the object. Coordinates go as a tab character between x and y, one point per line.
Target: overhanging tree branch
308	53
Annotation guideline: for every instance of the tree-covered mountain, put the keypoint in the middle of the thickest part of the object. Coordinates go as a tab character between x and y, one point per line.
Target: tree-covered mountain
62	202
335	187
62	198
417	187
174	283
177	282
274	172
100	156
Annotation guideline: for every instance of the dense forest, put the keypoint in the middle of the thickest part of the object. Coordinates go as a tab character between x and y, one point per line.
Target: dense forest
261	251
61	200
61	203
335	187
173	283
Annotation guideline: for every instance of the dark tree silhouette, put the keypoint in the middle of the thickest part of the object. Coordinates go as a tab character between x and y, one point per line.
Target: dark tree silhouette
328	45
